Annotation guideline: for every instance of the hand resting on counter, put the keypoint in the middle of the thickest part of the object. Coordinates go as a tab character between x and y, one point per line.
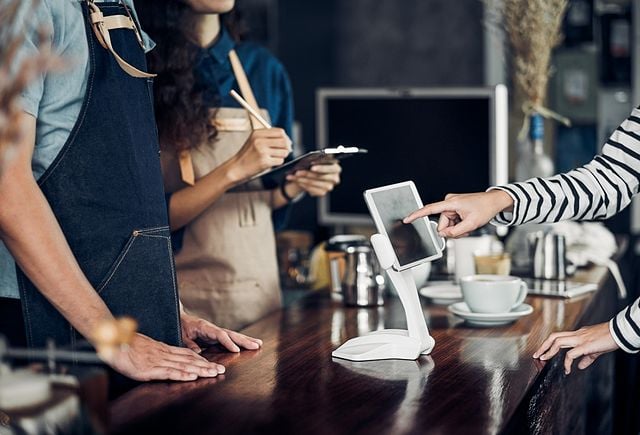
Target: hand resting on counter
145	359
586	343
194	328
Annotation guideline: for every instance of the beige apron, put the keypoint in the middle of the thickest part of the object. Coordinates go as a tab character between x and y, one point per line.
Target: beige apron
227	268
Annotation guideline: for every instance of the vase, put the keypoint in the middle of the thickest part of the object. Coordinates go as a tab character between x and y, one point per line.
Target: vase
532	160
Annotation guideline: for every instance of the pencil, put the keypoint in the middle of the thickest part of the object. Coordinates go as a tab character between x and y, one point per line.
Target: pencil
250	109
254	112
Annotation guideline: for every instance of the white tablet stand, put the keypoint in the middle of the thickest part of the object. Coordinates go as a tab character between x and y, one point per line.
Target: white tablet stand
392	343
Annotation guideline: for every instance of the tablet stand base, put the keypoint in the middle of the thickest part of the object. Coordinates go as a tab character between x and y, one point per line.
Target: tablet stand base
406	344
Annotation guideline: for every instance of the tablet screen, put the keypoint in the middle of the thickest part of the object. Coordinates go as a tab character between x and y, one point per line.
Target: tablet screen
411	242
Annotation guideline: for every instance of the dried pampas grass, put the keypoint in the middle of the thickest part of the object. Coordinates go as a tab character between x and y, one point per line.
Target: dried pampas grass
534	30
14	78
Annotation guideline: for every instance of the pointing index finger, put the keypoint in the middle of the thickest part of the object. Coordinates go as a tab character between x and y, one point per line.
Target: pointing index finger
429	209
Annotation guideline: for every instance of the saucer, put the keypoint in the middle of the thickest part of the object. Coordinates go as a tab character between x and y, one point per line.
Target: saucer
441	292
461	309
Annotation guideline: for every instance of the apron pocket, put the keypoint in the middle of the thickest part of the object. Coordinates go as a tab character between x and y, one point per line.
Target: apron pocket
231	305
141	284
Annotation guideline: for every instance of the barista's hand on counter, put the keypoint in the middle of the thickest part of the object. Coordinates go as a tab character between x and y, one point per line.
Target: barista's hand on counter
318	180
587	343
462	213
194	328
146	359
264	149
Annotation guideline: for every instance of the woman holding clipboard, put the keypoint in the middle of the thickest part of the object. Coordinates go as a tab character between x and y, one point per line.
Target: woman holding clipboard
226	265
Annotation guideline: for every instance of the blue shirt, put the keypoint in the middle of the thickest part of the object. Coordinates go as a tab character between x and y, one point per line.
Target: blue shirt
55	98
267	76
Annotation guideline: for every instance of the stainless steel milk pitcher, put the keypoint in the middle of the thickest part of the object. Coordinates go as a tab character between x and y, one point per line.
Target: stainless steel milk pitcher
548	252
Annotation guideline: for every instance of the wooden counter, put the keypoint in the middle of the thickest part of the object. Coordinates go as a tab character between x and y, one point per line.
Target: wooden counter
476	381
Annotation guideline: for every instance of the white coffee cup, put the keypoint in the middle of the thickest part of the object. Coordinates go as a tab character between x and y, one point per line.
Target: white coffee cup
493	293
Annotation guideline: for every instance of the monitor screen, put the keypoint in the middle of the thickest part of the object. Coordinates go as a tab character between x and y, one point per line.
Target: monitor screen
441	142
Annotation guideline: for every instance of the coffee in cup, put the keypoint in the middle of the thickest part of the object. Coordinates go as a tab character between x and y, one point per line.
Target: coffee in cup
492	263
492	293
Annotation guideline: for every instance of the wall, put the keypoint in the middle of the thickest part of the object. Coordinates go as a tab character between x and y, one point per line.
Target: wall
375	43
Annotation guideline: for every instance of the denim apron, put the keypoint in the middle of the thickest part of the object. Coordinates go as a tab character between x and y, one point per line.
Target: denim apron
105	189
227	266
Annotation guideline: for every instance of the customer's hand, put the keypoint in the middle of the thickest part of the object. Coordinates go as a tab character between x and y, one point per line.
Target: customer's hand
264	149
194	328
588	343
145	359
318	180
461	214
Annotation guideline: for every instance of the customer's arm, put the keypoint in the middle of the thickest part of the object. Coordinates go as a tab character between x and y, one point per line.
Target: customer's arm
597	190
30	231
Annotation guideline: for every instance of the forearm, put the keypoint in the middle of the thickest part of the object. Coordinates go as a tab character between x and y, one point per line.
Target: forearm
597	190
31	233
188	203
586	193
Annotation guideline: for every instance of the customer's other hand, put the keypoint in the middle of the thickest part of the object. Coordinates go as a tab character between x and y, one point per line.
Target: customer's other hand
462	213
195	328
145	359
318	180
587	343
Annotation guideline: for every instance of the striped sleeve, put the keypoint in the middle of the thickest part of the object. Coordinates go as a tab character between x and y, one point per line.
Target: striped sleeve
595	191
625	328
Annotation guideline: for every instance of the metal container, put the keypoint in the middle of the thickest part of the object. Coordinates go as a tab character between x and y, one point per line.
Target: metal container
337	250
548	251
363	284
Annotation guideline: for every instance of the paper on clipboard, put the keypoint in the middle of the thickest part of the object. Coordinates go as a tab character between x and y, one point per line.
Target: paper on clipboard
305	161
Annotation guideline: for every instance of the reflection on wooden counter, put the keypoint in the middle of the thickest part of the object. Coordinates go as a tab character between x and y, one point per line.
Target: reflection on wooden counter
475	381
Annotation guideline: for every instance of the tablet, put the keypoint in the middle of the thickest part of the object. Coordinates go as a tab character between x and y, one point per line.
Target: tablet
413	243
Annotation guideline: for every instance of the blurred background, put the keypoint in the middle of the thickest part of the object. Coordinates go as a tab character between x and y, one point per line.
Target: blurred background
439	43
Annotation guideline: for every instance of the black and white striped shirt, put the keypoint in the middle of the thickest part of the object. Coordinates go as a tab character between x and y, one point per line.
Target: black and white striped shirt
596	191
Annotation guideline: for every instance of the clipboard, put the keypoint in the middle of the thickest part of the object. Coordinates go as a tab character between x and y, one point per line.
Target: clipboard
319	157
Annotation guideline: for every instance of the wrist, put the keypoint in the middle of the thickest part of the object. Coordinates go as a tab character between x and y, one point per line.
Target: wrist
291	191
231	172
502	200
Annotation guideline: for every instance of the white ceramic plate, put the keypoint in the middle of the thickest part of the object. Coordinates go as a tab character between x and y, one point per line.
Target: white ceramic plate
442	292
461	309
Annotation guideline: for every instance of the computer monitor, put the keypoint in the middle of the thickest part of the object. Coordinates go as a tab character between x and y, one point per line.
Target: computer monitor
447	140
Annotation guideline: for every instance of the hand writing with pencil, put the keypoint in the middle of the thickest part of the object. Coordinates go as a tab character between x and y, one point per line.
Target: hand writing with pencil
264	149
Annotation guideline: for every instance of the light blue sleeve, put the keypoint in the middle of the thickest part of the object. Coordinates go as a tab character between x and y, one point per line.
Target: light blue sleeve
149	43
36	23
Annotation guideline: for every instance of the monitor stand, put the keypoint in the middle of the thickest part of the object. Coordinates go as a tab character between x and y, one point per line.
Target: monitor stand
406	344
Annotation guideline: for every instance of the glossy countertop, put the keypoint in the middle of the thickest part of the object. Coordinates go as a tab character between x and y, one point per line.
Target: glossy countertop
473	382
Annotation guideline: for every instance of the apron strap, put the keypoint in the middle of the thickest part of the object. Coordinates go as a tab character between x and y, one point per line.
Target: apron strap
245	87
187	173
184	157
101	26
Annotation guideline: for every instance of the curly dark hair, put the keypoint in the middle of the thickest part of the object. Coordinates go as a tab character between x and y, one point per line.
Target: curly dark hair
181	114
